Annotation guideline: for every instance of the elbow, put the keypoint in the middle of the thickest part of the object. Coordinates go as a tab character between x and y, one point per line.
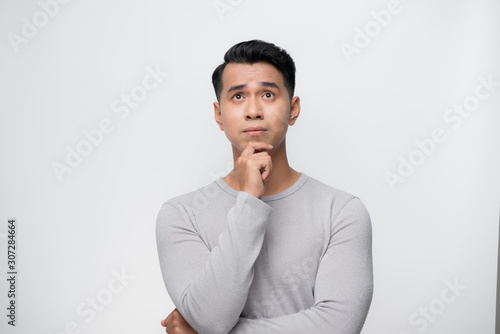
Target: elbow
212	327
205	321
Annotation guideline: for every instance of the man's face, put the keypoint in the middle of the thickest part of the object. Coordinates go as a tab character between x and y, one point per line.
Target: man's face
254	95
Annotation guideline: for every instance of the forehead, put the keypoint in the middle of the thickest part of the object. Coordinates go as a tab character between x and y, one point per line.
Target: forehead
239	74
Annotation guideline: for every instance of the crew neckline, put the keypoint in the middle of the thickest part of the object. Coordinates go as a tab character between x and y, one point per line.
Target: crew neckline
290	190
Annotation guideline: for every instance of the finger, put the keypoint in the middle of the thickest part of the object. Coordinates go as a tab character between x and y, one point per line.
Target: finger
253	146
262	161
167	319
267	171
259	153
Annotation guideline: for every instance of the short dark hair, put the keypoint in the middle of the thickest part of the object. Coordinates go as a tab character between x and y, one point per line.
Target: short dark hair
254	51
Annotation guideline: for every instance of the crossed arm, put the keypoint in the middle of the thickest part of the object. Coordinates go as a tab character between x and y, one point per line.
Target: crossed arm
175	323
343	287
210	288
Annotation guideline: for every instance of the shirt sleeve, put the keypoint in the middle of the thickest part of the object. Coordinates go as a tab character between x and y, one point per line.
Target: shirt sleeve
210	288
343	286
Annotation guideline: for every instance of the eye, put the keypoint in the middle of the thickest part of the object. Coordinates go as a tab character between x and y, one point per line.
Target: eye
268	95
237	96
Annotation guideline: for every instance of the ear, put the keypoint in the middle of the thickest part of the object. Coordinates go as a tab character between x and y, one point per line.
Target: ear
218	115
294	110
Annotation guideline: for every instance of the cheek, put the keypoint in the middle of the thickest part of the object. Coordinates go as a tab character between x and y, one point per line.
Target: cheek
225	116
229	120
280	120
230	125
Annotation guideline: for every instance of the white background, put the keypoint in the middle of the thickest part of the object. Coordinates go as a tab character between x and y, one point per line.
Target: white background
358	117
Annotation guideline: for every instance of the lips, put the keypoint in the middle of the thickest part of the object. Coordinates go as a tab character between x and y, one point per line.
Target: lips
254	129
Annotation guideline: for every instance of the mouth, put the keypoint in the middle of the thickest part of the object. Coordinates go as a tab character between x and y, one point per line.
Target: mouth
254	133
254	130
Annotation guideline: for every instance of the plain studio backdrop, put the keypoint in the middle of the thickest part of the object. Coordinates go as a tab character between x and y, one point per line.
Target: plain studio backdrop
106	112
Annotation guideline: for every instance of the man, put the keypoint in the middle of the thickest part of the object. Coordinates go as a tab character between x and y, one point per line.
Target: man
269	249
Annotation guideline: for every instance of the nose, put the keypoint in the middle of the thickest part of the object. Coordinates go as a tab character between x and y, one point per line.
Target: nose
253	109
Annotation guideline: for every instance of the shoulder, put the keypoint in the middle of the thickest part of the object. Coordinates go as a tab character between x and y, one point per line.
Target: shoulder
321	188
176	211
341	202
325	192
202	198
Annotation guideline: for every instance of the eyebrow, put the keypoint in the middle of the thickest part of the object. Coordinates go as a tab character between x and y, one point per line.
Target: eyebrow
262	83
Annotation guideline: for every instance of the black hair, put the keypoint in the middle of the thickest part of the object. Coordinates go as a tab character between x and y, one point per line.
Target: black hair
254	51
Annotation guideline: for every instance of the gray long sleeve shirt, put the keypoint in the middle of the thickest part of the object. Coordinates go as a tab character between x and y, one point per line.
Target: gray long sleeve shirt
299	261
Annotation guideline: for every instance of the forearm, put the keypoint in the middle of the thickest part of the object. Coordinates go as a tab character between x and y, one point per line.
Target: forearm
343	287
322	318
